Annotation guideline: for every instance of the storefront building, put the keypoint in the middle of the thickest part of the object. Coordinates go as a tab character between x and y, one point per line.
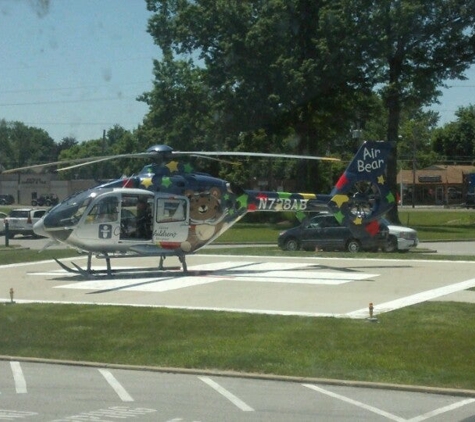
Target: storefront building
435	185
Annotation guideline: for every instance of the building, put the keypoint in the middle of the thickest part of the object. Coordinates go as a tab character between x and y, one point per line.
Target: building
439	184
25	186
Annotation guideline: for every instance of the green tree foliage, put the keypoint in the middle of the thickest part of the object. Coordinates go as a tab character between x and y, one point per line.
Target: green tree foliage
456	140
262	78
415	140
22	145
180	111
300	71
115	141
410	48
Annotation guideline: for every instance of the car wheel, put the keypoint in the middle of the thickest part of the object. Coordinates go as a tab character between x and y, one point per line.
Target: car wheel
292	244
391	244
353	245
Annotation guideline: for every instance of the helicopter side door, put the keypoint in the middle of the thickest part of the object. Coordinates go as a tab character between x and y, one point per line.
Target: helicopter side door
136	216
119	216
171	222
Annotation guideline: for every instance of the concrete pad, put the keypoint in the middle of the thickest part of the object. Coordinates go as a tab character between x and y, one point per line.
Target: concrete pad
312	286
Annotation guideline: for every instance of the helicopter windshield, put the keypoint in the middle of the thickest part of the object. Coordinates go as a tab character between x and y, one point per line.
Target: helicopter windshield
70	211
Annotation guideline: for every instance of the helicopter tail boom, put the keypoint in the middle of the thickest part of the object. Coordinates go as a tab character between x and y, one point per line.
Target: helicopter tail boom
360	196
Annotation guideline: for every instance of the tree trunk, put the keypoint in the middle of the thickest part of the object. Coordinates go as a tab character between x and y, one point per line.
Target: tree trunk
393	103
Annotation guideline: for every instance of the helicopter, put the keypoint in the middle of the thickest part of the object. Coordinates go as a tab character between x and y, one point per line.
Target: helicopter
168	209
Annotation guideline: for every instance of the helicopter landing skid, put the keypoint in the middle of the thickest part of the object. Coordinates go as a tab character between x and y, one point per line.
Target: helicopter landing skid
89	272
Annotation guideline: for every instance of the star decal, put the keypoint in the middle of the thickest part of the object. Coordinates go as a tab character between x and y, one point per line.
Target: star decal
340	200
172	166
188	168
146	181
357	221
242	200
381	180
390	197
372	228
166	182
342	181
340	216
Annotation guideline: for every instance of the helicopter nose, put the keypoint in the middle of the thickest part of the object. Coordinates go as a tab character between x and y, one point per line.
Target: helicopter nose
39	228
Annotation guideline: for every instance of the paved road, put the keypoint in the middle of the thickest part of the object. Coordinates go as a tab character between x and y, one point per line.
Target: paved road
450	248
60	393
443	248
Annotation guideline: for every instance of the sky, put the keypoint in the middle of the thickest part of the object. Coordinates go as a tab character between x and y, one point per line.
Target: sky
75	67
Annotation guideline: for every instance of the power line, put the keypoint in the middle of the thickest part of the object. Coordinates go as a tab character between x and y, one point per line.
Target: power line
115	98
19	91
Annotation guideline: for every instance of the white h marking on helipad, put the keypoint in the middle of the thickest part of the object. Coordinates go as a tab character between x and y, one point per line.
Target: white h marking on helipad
289	273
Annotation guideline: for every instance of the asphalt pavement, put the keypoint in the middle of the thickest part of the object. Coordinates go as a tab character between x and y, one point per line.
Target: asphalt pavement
441	248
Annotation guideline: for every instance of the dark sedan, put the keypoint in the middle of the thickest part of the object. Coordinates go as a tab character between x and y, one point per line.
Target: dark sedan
324	232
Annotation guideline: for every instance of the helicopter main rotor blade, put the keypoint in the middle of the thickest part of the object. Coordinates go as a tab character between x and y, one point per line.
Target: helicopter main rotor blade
166	153
40	166
258	154
144	155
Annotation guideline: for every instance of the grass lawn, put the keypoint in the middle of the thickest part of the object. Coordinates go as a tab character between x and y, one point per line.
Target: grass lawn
429	344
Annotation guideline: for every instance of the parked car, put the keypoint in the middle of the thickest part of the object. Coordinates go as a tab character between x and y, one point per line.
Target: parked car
2	222
401	238
21	221
324	232
6	199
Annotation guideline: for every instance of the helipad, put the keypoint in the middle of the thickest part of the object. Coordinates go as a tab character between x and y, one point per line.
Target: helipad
275	285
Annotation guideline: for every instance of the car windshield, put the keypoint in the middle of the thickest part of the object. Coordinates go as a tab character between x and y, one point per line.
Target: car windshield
19	213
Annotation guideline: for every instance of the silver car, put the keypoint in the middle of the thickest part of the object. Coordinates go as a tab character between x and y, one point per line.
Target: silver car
401	238
21	221
2	222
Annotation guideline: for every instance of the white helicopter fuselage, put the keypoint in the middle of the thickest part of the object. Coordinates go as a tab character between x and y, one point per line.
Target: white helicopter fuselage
138	221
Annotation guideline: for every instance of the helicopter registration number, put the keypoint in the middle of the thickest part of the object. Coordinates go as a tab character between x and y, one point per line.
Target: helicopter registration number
282	204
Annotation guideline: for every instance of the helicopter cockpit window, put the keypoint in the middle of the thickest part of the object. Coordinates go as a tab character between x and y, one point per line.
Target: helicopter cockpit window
171	210
105	211
69	212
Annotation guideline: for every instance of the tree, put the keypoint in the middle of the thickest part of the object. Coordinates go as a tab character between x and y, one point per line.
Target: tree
299	69
22	145
410	47
260	76
180	108
115	141
456	140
